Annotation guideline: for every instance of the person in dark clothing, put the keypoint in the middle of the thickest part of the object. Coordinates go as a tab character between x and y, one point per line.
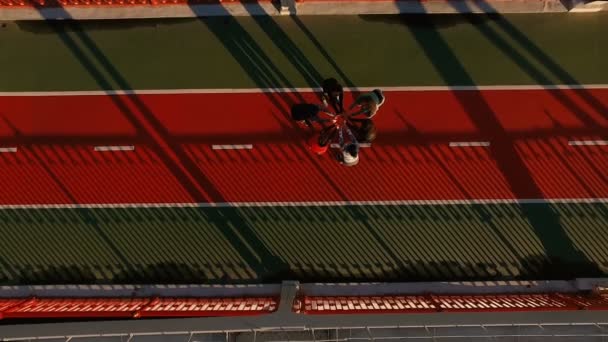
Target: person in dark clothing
333	94
305	113
363	129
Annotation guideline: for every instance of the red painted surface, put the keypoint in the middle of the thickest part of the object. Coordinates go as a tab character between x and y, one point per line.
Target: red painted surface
134	307
450	303
173	160
109	3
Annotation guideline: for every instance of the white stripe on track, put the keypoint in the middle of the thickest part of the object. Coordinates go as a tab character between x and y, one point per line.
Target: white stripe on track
300	90
469	143
306	204
232	147
114	148
587	142
362	145
8	149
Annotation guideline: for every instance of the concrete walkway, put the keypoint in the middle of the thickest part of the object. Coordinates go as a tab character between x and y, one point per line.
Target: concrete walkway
290	7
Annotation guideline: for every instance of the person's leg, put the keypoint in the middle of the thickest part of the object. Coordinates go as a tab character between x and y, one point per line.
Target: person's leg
327	135
339	106
353	125
367	131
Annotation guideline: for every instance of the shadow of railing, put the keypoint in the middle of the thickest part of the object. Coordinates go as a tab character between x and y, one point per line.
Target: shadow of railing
541	57
318	244
256	62
184	170
313	39
555	240
171	152
557	243
301	63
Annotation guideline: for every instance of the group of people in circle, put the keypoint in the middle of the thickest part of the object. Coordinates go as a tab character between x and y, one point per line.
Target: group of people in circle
348	128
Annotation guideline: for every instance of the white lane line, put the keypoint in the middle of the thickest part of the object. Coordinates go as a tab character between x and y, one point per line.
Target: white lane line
301	90
113	148
469	143
362	145
8	149
232	147
307	204
587	142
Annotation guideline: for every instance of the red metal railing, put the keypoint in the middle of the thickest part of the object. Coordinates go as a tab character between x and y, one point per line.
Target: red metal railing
134	307
445	303
164	307
19	308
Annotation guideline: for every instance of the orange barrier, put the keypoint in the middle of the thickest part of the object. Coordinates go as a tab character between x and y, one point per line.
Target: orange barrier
441	303
134	307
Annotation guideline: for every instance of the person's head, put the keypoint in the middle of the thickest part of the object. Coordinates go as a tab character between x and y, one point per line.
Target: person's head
379	96
315	145
332	87
350	155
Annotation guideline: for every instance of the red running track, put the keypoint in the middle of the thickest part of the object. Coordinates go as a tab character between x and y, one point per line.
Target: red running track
173	161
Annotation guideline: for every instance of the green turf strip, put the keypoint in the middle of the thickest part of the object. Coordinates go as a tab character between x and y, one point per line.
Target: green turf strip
252	245
299	51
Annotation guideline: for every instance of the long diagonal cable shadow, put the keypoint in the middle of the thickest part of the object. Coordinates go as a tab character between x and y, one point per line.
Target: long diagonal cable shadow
481	210
264	78
293	53
259	67
170	152
537	53
324	52
539	76
558	245
288	48
550	242
255	62
85	214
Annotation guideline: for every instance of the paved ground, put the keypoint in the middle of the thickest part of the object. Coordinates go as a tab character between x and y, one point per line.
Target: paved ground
529	158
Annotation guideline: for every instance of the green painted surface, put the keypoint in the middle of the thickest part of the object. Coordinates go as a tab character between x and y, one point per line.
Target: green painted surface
298	51
250	245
